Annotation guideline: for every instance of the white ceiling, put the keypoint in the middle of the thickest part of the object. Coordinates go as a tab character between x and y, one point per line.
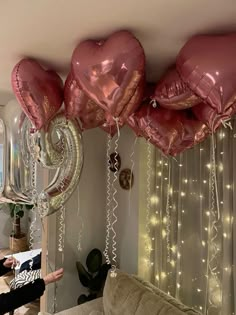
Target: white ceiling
48	30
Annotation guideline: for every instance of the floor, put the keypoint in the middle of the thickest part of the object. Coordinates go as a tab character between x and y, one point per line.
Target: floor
29	309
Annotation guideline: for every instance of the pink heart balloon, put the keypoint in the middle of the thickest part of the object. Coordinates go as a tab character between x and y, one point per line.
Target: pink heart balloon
78	104
207	65
209	116
110	71
195	132
39	92
172	93
169	130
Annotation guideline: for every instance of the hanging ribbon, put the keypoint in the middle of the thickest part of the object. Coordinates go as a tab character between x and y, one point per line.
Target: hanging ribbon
131	172
108	202
214	220
115	203
80	225
148	246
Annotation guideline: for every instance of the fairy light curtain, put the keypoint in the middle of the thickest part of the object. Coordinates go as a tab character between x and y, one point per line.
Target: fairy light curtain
194	250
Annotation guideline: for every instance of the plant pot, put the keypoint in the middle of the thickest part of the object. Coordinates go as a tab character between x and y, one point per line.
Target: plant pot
18	244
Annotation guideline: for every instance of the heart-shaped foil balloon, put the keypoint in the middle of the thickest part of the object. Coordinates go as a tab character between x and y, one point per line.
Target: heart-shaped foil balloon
79	105
172	93
39	92
207	65
110	71
209	116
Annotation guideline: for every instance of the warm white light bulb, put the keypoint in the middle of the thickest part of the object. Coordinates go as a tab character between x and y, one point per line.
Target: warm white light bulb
182	194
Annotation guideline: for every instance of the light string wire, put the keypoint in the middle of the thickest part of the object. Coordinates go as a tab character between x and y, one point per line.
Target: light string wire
147	243
168	217
81	224
214	218
132	161
115	203
148	246
108	202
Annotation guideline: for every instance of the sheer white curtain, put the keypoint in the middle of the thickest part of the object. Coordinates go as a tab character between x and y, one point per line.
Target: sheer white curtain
194	246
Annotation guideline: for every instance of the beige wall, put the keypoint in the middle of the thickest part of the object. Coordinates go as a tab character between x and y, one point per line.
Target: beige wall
92	193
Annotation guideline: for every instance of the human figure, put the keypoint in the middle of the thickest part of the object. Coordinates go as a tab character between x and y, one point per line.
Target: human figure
12	300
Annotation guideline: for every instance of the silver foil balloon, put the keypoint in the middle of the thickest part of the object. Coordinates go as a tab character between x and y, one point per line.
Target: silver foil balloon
16	173
69	164
45	147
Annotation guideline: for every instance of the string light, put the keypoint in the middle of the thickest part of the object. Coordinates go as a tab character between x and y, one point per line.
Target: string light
196	188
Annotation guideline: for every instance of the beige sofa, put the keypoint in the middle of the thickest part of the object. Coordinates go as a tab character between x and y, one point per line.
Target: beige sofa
130	295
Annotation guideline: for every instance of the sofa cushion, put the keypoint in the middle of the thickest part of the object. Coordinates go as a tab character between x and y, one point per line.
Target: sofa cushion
129	295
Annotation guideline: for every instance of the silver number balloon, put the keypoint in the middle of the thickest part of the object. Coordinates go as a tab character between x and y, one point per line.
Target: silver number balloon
16	180
66	155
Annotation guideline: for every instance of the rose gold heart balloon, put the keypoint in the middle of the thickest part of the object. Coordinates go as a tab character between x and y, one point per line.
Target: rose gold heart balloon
39	92
78	104
209	116
110	71
195	132
169	130
207	65
172	93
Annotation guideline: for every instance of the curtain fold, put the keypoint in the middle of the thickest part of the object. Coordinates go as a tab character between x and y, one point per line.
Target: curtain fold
193	247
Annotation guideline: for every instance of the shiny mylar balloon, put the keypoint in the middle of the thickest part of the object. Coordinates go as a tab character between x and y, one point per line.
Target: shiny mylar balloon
39	92
78	104
69	170
17	173
172	93
169	130
207	65
110	71
209	116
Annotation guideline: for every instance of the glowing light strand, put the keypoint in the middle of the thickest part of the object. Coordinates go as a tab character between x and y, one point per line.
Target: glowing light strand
148	199
168	218
213	251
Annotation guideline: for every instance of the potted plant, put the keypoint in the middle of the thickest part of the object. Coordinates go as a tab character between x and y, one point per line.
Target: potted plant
94	277
18	239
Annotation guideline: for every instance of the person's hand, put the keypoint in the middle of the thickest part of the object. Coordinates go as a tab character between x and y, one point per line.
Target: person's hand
53	276
11	262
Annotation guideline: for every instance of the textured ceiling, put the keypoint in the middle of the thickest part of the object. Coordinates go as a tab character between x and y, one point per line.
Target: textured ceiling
48	30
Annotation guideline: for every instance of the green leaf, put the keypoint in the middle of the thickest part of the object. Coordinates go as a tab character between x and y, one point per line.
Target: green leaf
104	271
96	283
84	276
29	207
92	296
82	299
94	260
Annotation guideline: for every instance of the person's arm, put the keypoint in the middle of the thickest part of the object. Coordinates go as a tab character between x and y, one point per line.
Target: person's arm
28	293
16	298
3	269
